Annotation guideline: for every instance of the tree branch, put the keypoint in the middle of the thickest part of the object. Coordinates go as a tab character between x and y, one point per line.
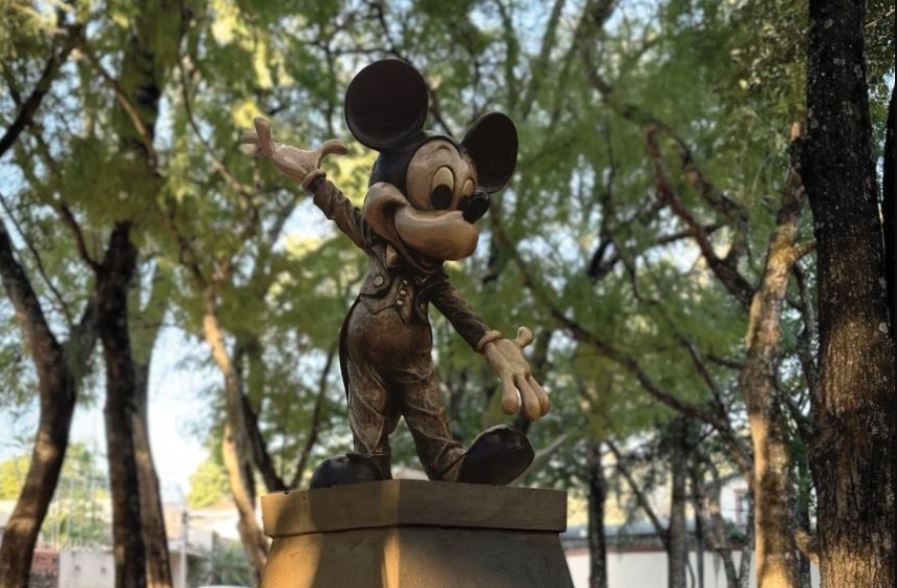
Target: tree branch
39	263
45	348
640	497
724	269
125	103
29	107
68	219
627	362
312	438
219	165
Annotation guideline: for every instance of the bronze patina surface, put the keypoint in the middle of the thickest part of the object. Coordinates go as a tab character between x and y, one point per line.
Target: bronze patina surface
426	193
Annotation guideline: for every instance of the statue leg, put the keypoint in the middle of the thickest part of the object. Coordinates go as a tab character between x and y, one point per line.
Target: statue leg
373	414
422	406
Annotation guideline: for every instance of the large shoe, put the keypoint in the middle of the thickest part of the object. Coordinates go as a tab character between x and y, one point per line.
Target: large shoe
351	468
497	456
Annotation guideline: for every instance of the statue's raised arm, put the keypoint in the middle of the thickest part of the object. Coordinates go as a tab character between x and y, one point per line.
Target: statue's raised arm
426	194
291	161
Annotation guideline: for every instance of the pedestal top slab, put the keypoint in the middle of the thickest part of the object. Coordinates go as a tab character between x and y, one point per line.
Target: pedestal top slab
394	503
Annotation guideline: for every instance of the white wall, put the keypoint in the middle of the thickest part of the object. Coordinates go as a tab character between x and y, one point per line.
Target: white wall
86	569
96	569
648	569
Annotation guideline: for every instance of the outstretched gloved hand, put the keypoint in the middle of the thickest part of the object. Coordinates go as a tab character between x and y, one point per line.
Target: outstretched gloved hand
293	162
520	390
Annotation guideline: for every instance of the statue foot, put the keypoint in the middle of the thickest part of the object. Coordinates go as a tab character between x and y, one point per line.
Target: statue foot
351	468
497	456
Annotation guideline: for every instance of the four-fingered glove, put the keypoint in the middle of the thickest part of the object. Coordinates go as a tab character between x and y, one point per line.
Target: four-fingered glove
520	390
293	162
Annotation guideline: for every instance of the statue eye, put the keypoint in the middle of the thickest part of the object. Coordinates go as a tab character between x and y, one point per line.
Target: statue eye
442	188
468	188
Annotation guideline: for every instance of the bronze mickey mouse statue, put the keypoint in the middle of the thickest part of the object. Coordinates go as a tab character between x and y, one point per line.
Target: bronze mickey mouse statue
425	195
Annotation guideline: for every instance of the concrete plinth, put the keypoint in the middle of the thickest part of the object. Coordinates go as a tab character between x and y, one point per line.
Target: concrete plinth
416	534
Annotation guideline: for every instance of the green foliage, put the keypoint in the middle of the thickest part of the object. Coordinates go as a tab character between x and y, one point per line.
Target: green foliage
76	517
722	80
12	476
208	484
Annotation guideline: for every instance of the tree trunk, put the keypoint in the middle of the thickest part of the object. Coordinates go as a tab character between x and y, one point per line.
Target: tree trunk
709	511
315	425
139	534
747	550
772	484
597	497
143	339
57	405
57	389
113	281
698	503
802	518
255	546
236	451
158	562
251	350
889	209
677	532
853	457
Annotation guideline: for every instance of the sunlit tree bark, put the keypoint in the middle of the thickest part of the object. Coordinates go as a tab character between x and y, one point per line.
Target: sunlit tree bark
853	455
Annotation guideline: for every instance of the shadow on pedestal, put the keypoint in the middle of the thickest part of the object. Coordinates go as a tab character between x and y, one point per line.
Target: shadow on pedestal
413	533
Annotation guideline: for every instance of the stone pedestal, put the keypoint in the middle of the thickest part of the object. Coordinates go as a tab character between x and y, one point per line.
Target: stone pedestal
414	533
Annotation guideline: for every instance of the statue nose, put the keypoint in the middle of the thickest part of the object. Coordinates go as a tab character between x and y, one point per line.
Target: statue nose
476	206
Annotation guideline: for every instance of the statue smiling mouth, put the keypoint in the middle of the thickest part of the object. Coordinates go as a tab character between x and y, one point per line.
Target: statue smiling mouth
439	235
426	193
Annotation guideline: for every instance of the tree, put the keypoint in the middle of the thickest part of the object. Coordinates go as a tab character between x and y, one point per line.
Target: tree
60	366
150	41
208	484
852	456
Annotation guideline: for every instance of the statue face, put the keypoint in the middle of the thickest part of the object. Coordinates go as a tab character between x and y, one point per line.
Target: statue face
439	177
427	191
439	185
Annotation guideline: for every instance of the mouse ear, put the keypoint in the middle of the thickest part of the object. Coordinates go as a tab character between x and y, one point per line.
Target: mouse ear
492	143
385	103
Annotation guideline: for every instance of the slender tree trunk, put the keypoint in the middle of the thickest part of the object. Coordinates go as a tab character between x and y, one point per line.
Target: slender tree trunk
20	535
802	518
698	502
141	544
255	545
677	547
889	209
158	562
315	425
236	452
717	531
747	550
853	457
144	331
250	350
597	497
260	456
772	484
57	388
113	282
